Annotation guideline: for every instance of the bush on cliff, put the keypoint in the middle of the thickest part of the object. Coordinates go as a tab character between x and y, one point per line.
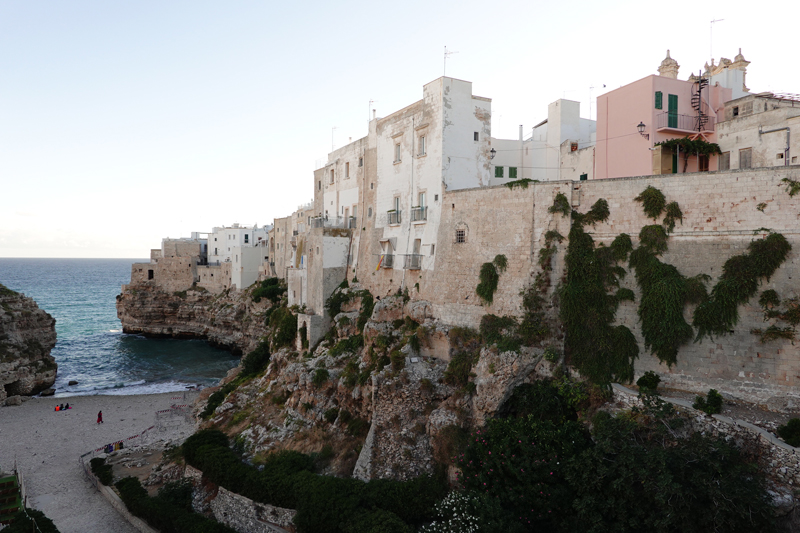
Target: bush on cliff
633	474
31	520
270	289
162	513
284	326
323	503
101	470
256	361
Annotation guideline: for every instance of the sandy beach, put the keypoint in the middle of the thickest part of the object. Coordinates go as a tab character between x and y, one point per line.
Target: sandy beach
47	445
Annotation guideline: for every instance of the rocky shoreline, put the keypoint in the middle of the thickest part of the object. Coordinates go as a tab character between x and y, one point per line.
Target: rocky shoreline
27	335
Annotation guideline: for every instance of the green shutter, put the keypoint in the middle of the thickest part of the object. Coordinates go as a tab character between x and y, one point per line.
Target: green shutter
498	172
673	111
584	177
512	173
674	162
659	97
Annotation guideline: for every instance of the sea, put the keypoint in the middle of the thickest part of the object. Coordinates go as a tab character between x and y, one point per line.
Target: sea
91	348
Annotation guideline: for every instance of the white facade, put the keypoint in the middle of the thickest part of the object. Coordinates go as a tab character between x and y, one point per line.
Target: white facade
245	263
221	241
539	156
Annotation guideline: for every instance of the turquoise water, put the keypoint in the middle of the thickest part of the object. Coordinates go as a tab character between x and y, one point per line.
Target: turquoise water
91	348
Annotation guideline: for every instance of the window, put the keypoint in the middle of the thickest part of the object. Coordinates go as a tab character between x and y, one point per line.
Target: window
369	213
745	158
360	161
736	111
319	185
475	136
498	172
331	175
421	198
584	177
149	274
433	247
435	197
461	236
215	239
672	111
397	153
702	163
421	145
371	185
512	173
779	156
397	203
246	238
347	170
659	99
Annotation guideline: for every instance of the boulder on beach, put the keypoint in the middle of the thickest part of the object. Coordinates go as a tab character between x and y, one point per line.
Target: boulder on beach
73	382
48	392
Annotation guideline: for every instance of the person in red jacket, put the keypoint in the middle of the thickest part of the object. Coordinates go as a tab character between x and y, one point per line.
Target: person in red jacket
100	417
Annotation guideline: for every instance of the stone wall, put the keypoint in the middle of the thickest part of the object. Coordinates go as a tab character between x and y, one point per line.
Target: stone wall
720	213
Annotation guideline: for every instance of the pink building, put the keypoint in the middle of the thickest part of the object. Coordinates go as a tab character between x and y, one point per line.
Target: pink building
633	118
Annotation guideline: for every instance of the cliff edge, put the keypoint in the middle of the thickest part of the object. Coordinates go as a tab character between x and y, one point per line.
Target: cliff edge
27	335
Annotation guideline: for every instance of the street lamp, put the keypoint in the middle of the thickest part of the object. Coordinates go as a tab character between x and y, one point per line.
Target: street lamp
492	153
641	128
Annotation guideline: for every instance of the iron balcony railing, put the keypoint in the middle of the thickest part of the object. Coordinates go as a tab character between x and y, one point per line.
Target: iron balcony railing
394	217
419	213
333	222
388	261
413	262
674	121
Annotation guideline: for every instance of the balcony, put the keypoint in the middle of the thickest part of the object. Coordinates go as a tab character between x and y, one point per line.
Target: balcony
413	262
388	261
333	222
684	123
419	214
394	217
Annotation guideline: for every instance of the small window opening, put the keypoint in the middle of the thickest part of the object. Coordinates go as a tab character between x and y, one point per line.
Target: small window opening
461	236
149	274
475	136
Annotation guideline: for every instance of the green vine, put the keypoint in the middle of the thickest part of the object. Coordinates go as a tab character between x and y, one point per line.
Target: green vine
560	205
770	302
792	186
489	277
665	291
653	201
521	183
718	314
601	352
688	147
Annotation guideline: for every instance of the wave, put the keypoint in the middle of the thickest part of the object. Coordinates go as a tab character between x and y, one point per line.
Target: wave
130	389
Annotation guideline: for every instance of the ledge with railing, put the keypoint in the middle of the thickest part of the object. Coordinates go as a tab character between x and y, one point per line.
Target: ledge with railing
413	262
333	222
419	213
394	216
674	121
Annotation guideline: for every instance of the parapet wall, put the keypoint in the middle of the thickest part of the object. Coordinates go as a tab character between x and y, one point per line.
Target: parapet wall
721	212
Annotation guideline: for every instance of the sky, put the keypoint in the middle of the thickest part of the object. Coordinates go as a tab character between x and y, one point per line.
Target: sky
124	122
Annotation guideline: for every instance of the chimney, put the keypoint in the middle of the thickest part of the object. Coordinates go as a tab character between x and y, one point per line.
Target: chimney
373	114
520	132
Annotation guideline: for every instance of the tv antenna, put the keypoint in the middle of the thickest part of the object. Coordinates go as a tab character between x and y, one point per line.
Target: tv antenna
590	99
711	38
446	55
369	111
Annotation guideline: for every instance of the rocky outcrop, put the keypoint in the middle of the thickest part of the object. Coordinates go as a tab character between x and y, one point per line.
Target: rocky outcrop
27	335
230	319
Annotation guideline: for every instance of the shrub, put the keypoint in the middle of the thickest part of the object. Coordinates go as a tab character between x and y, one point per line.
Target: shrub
711	404
653	201
102	470
459	369
257	360
284	324
790	432
270	289
648	383
398	360
350	344
321	375
488	284
30	520
331	415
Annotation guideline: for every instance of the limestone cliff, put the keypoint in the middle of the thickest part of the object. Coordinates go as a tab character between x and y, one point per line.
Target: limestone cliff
27	334
230	320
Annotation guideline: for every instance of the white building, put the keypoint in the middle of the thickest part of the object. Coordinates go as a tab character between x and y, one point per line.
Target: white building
540	156
221	241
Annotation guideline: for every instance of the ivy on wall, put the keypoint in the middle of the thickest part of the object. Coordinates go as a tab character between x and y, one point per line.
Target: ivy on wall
771	304
489	276
719	313
601	352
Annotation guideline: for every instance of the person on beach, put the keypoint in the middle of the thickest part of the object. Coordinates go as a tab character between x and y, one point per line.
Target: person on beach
56	408
66	406
100	417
